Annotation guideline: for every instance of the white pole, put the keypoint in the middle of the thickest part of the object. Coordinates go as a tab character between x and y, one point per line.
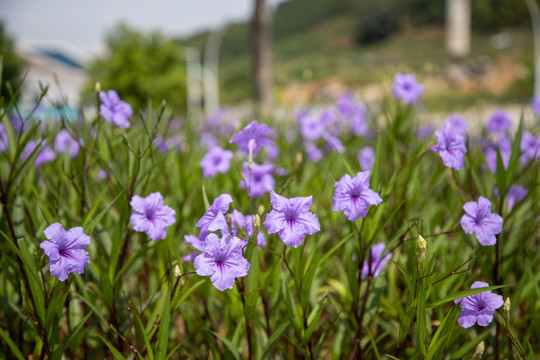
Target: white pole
211	71
193	82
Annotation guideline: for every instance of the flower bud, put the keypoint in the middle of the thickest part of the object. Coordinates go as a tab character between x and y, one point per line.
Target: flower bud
298	159
422	249
98	86
479	351
177	271
506	309
256	225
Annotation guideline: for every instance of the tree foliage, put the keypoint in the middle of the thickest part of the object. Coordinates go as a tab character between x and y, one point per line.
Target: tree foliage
12	64
140	66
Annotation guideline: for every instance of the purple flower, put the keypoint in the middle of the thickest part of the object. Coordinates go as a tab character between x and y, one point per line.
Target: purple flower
333	143
253	136
313	152
3	139
536	105
113	109
376	261
195	242
222	260
260	181
458	123
245	222
480	221
46	155
291	219
516	193
505	148
424	131
214	218
311	126
478	308
406	88
354	113
65	250
63	142
366	157
151	216
168	144
216	161
353	196
499	122
530	147
451	147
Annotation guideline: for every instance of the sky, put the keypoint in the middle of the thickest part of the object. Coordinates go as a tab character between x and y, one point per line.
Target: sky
84	23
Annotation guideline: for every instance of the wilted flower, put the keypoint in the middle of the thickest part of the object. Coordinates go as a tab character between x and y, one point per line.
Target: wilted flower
252	136
366	158
499	122
478	308
222	260
214	218
216	160
113	109
259	180
481	221
151	215
353	195
376	261
451	147
63	142
406	88
65	250
291	219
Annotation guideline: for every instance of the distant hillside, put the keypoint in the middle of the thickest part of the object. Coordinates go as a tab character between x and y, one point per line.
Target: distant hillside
319	39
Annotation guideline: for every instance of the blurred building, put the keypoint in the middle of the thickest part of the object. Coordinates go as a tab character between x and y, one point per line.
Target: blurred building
58	65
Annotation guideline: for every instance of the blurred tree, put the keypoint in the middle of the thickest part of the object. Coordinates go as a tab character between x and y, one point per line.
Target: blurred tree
12	64
141	66
262	55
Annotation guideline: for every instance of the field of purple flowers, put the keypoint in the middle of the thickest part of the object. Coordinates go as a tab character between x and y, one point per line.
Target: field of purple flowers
344	230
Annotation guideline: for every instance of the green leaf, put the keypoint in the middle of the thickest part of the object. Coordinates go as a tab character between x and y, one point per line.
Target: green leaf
163	333
229	345
421	318
140	332
276	335
117	355
13	347
36	287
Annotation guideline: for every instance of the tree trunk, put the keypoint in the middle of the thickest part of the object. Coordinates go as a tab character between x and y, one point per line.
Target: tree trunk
262	56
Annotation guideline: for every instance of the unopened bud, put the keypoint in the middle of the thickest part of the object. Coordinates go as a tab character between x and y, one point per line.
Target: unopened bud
479	351
298	159
506	309
98	87
261	209
177	271
229	223
256	225
163	103
422	249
